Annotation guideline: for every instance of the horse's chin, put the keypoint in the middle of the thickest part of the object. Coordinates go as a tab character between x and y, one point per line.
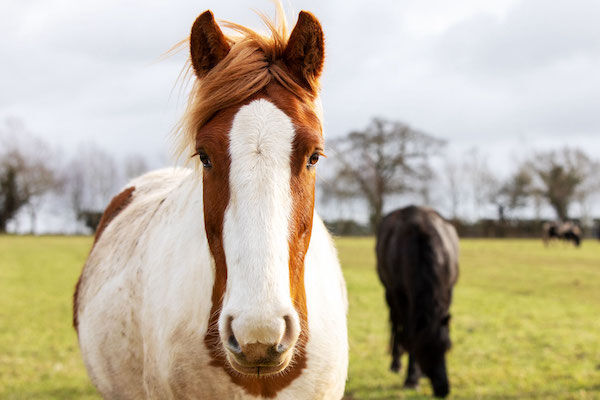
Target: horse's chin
259	370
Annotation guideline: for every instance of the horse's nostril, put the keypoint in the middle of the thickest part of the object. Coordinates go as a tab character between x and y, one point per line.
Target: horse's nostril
290	334
281	348
233	345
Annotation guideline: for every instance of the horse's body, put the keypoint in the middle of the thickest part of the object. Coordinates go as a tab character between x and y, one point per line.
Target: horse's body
417	262
220	282
567	231
144	303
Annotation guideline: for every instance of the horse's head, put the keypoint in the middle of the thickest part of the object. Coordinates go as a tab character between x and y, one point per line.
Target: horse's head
254	123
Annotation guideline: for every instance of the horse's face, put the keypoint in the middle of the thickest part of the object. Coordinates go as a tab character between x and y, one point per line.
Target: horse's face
258	182
258	177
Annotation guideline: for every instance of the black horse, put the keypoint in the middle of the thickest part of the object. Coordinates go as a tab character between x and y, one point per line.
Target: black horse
417	262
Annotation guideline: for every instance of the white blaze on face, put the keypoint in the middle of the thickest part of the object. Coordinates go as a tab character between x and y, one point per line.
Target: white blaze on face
256	226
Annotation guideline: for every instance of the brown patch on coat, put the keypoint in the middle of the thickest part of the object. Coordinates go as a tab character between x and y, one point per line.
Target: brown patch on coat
116	205
213	138
308	138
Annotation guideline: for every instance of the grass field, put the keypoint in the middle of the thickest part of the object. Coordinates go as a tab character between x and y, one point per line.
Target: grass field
526	322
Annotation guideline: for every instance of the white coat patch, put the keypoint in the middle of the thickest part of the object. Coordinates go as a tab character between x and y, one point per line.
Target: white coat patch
256	224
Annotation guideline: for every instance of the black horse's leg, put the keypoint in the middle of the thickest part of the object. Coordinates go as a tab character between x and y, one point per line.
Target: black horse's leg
395	346
397	349
413	374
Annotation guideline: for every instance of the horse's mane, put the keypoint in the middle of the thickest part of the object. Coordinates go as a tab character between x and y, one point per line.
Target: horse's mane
253	61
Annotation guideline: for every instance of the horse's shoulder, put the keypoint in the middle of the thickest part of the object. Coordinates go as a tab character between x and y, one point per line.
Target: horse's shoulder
116	205
144	187
127	215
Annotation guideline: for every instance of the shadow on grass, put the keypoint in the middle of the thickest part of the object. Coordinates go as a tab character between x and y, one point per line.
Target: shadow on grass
53	393
409	394
546	394
405	394
394	391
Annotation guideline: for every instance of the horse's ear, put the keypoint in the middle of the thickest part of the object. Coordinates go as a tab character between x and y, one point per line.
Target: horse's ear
304	53
208	45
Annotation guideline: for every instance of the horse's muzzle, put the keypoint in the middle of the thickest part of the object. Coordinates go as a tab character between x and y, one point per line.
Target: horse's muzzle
254	357
257	358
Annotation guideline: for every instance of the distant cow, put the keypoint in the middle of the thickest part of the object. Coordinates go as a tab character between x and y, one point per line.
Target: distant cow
567	231
417	262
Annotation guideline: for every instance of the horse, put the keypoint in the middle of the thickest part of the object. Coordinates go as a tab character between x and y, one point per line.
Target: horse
567	231
417	263
220	281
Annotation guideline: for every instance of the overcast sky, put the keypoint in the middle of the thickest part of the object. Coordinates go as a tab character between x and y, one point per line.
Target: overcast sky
507	76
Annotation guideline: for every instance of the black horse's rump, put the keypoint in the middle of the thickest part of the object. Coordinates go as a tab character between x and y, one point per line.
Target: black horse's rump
417	263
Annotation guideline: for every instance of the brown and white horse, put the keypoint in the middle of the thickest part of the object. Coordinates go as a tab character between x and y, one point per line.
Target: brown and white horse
220	282
567	231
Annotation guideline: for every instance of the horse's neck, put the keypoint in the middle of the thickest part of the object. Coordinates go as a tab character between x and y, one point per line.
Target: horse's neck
175	259
177	224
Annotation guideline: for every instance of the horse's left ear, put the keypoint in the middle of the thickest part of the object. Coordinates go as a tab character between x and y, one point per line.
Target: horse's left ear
208	45
304	54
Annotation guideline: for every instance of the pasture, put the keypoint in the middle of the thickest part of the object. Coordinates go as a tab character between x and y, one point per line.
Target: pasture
525	321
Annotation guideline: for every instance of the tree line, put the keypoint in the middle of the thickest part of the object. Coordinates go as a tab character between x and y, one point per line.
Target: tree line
34	173
388	159
373	166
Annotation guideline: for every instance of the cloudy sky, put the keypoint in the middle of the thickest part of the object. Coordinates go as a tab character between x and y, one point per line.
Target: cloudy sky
506	76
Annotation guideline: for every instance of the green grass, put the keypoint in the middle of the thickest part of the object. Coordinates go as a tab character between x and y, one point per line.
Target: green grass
526	322
39	357
525	325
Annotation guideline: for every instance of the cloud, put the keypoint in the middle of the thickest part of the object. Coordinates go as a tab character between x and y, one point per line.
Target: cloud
536	69
534	35
490	74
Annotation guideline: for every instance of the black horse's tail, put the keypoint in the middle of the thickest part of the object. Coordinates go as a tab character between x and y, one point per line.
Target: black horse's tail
421	271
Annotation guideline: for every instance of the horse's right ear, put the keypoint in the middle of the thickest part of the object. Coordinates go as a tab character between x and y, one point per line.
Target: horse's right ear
208	45
304	53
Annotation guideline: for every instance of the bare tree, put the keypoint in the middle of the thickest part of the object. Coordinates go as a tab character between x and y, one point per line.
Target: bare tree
27	173
41	179
453	185
134	165
12	197
589	188
484	184
513	194
91	179
561	177
384	159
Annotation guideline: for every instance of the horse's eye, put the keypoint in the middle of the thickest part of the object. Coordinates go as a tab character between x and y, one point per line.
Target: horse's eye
204	158
313	159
